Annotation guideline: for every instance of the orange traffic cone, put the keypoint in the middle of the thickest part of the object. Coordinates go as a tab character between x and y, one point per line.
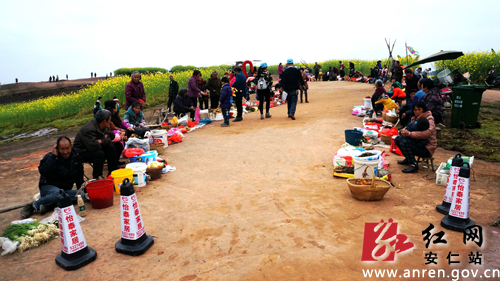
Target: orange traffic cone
134	241
451	184
458	217
74	250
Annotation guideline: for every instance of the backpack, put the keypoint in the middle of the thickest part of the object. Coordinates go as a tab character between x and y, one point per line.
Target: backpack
261	84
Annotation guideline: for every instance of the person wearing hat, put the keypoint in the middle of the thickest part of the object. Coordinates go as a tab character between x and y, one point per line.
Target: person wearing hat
398	95
264	82
291	82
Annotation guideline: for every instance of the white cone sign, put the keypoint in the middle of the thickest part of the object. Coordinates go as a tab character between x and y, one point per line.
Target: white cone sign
451	184
72	239
461	199
131	220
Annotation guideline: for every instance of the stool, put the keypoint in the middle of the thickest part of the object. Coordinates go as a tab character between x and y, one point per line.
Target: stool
426	160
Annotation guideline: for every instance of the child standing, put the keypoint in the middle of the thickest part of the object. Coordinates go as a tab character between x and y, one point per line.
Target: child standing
225	100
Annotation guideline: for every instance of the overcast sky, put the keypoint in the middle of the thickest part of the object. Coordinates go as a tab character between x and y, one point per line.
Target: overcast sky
42	38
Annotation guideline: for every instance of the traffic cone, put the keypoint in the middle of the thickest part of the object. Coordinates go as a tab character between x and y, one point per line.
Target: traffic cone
458	217
74	250
134	241
456	163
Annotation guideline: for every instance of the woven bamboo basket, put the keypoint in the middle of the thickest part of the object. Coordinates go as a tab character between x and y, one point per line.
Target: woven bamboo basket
373	192
392	119
386	139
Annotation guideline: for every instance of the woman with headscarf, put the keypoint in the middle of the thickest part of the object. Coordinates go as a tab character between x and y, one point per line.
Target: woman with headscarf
134	91
408	142
264	85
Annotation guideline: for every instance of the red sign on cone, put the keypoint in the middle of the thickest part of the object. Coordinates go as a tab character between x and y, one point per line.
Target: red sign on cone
132	225
72	239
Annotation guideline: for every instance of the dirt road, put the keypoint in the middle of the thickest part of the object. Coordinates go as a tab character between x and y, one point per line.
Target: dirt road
257	201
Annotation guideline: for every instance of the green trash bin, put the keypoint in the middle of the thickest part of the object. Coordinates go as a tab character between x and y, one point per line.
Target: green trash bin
466	101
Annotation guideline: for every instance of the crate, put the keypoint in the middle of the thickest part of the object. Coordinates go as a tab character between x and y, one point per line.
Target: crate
442	175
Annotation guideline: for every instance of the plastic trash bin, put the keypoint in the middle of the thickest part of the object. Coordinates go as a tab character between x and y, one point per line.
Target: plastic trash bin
466	101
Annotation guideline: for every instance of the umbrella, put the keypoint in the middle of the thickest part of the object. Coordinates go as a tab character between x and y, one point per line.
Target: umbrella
443	55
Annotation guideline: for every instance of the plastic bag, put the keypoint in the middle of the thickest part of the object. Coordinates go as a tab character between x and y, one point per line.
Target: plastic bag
183	121
389	132
285	95
197	114
132	152
138	143
9	247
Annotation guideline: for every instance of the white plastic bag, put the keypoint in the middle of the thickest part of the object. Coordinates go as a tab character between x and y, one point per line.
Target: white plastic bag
183	121
8	247
285	95
135	142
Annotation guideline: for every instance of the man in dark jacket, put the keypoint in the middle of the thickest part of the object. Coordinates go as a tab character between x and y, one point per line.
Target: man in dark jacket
59	170
93	143
316	68
397	75
411	80
241	87
291	82
182	103
173	89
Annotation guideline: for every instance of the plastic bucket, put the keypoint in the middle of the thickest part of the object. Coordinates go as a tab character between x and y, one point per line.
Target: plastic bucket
353	137
360	165
368	103
120	175
161	135
100	193
139	173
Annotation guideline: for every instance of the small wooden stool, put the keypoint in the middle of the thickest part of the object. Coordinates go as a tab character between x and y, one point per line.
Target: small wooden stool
427	160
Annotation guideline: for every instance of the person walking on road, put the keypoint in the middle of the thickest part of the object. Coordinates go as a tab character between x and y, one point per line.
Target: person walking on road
264	85
304	89
291	82
173	89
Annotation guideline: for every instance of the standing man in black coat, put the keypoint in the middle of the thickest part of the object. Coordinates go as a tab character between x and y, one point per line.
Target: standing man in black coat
291	82
173	89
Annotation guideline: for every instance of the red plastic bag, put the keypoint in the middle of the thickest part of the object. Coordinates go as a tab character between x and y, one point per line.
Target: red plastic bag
132	152
389	132
176	138
394	148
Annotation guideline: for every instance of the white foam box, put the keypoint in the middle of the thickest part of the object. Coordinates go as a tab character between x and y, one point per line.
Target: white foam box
442	175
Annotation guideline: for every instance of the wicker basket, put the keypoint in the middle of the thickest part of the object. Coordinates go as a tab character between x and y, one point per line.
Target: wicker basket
154	173
392	119
157	146
386	139
168	127
373	192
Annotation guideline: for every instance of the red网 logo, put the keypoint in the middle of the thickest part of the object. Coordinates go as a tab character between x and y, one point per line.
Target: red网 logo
381	241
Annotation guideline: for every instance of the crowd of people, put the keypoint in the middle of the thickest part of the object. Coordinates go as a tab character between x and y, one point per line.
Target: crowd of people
102	139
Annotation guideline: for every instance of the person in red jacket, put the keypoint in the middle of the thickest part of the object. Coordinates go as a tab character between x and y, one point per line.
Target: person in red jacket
398	95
